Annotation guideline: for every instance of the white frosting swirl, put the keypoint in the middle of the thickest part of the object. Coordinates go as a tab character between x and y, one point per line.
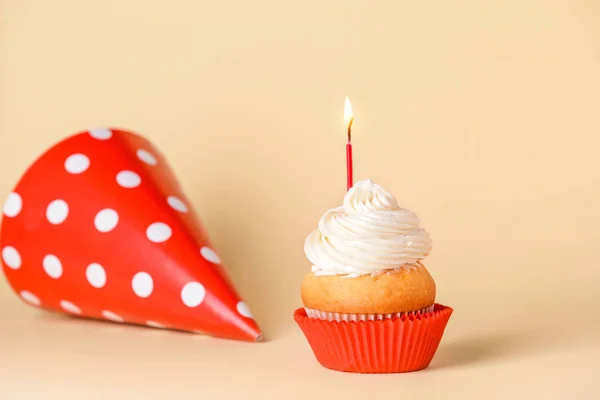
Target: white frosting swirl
369	234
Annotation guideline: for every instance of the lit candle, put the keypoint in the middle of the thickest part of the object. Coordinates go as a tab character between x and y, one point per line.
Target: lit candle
348	119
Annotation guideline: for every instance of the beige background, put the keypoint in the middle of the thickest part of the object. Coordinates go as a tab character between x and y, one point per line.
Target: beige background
481	116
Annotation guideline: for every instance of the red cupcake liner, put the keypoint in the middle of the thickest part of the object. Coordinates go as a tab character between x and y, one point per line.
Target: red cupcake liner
403	344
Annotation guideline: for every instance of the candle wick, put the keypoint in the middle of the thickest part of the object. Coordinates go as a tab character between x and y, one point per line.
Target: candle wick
350	130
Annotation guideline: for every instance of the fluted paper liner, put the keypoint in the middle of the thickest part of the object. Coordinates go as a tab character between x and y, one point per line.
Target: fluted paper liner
403	344
332	316
98	227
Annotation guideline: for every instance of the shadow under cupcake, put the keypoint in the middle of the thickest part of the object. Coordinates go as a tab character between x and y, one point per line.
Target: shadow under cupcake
369	302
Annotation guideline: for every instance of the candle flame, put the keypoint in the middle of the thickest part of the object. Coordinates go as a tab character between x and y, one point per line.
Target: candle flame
348	116
347	112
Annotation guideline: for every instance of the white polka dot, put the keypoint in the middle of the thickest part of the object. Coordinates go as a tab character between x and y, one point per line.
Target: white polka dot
155	325
30	297
77	163
244	310
146	157
142	284
52	266
96	275
57	211
70	307
210	255
158	232
13	205
101	133
112	316
106	220
11	257
128	179
177	204
193	294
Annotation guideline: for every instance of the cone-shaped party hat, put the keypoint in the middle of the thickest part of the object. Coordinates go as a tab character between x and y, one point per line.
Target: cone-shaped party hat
99	227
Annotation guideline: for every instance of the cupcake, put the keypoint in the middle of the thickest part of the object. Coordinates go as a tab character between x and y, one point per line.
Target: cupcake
369	301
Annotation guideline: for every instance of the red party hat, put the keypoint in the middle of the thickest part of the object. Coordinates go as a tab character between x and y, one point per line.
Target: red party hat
99	227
